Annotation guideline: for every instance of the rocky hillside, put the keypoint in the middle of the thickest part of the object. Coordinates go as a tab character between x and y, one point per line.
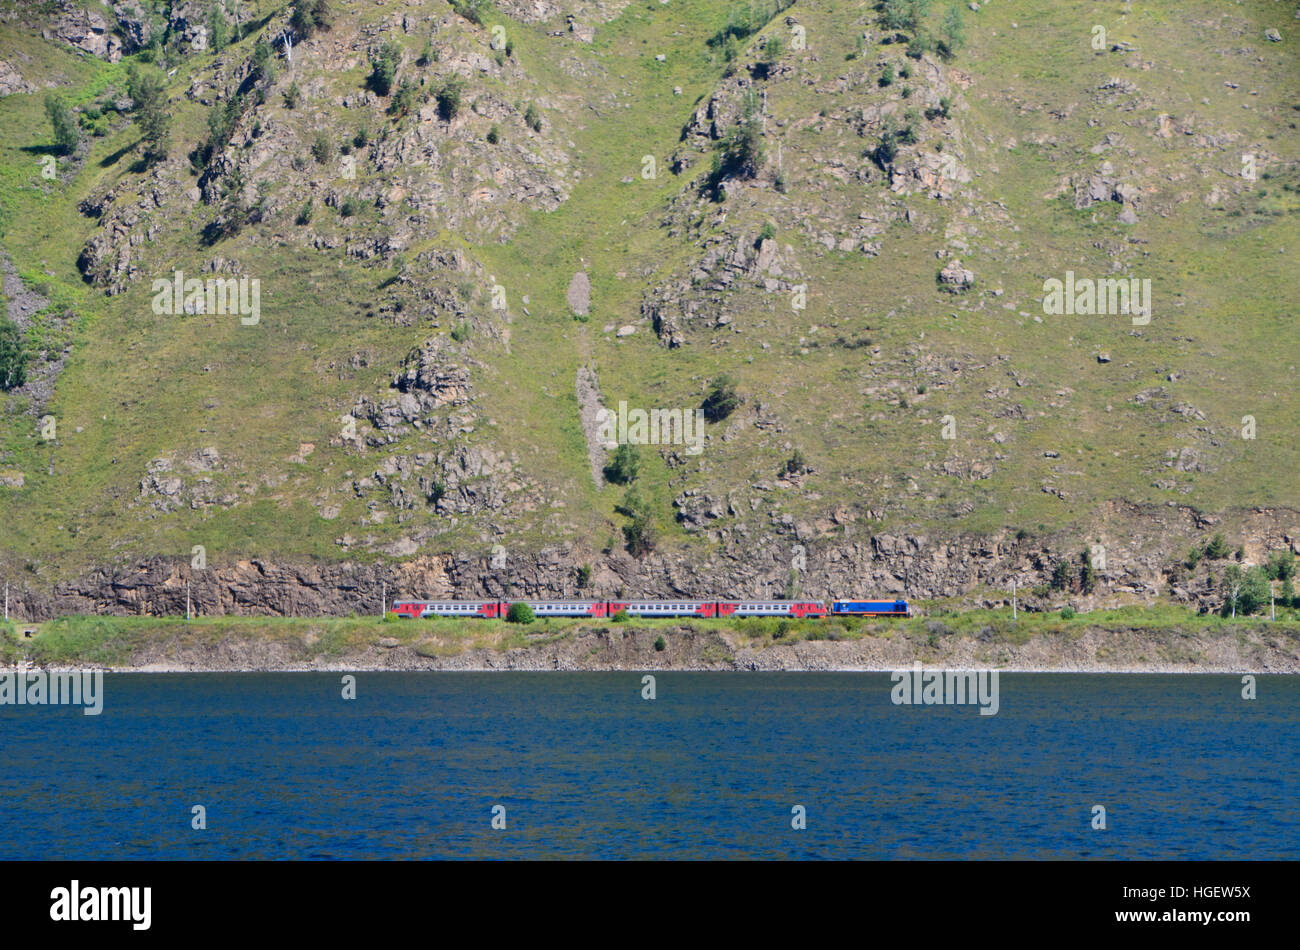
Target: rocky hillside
458	236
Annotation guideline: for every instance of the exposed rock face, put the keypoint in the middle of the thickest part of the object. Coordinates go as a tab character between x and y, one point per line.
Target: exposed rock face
11	80
978	570
84	29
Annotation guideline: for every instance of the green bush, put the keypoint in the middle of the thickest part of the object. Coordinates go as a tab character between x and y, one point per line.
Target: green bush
1217	549
625	465
494	135
520	613
1067	612
721	399
391	617
461	333
305	212
620	616
533	118
472	10
660	643
13	355
584	576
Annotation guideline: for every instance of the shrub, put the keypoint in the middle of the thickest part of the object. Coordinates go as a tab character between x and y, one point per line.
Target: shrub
403	99
291	95
767	233
640	535
520	613
471	10
721	399
390	617
621	616
362	137
584	576
781	630
887	75
13	355
625	465
1193	558
796	463
494	135
660	643
305	212
1067	612
461	332
533	118
349	208
1061	575
428	54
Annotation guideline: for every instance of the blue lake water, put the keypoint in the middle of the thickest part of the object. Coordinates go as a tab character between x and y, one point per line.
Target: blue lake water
711	768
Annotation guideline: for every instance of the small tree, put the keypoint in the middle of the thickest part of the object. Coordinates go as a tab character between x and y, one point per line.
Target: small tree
449	98
1217	549
149	104
310	16
305	212
66	134
721	400
625	465
383	67
953	32
584	576
263	62
1061	575
13	356
640	534
219	28
1088	576
321	148
533	118
520	613
291	95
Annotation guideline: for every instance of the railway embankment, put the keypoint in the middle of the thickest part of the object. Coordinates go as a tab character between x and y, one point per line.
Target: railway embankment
1125	640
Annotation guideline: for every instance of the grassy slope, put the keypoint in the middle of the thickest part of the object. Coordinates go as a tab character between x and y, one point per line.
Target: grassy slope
141	385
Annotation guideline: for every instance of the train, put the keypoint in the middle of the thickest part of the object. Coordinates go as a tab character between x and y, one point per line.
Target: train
496	609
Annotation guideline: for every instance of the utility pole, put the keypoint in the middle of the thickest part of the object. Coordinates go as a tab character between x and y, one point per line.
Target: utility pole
6	601
1272	607
187	600
1013	598
383	601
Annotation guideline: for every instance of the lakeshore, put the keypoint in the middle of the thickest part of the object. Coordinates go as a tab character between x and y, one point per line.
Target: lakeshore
1126	640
